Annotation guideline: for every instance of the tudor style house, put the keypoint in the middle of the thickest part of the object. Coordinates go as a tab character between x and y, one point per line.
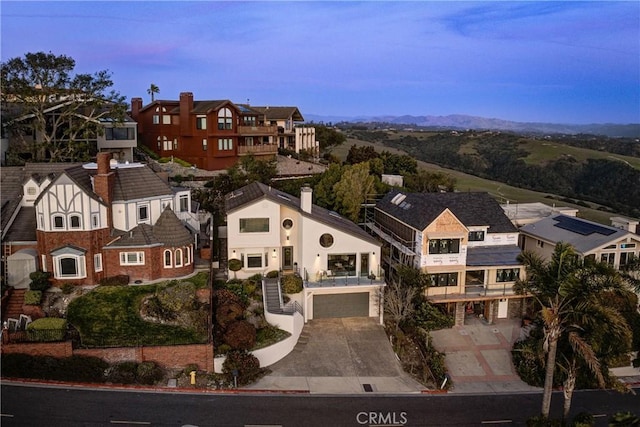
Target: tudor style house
463	241
88	222
214	135
271	230
614	245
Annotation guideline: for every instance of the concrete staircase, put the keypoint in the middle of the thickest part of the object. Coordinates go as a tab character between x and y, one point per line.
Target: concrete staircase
14	306
272	295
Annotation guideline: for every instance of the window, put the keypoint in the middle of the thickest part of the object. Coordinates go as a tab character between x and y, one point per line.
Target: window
75	221
364	264
249	121
627	245
156	119
187	256
476	236
254	261
443	279
175	143
287	224
143	213
342	264
167	258
166	119
69	267
204	144
609	258
626	258
43	259
540	244
248	141
507	275
178	257
225	119
120	133
31	191
95	220
326	240
131	258
184	203
97	262
254	225
201	122
225	144
444	246
58	221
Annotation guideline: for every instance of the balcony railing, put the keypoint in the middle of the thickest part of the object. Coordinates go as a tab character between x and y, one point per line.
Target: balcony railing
257	149
257	130
471	291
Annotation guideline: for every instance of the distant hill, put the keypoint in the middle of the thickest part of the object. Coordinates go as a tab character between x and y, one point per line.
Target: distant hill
459	121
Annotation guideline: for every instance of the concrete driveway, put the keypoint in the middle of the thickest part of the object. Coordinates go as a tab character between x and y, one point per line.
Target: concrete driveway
347	355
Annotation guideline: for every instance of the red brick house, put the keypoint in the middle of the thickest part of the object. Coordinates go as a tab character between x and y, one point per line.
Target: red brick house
212	135
88	222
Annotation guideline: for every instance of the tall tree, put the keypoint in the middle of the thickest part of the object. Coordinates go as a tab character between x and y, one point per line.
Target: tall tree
153	89
569	292
353	189
53	112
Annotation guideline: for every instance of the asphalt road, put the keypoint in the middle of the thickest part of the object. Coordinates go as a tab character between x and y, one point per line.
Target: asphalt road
52	406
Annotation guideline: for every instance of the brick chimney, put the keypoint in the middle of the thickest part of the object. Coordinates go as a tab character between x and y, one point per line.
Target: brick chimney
186	106
104	179
306	198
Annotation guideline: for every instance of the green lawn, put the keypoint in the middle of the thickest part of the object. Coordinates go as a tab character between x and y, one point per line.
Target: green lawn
110	316
545	151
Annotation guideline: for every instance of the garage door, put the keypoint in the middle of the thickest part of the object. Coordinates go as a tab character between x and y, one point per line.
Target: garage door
342	305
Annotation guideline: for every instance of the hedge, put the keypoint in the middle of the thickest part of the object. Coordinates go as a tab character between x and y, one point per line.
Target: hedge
47	329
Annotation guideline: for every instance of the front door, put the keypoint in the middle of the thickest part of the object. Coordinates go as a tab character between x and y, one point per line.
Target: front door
287	257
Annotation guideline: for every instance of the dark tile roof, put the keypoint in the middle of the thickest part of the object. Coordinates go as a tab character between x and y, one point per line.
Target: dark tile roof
493	255
139	236
138	183
418	210
169	230
257	191
23	228
280	113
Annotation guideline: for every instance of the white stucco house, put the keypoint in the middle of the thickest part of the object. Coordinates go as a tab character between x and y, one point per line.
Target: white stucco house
268	230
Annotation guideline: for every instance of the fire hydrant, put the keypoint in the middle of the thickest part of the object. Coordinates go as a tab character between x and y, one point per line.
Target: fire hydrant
193	377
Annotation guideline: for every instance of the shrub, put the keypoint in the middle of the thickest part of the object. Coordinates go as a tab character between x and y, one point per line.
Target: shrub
246	364
240	335
123	373
148	373
249	287
120	280
33	297
272	274
190	368
39	281
223	349
235	265
291	284
74	368
67	288
47	329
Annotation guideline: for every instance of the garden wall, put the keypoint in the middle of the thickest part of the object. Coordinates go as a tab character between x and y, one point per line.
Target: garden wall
53	349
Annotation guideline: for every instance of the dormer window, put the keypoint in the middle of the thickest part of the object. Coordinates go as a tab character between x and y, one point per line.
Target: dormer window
143	213
58	222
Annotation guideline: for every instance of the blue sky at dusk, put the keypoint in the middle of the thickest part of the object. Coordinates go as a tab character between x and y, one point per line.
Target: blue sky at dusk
562	62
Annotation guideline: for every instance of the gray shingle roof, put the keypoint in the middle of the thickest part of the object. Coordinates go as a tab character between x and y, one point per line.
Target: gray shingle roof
548	229
418	210
167	231
138	183
257	191
23	228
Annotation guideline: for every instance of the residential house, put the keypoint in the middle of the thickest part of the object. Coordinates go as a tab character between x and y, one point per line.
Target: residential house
463	241
271	230
84	223
292	134
525	213
616	246
211	135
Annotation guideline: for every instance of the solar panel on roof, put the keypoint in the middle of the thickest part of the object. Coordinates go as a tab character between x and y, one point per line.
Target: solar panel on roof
581	227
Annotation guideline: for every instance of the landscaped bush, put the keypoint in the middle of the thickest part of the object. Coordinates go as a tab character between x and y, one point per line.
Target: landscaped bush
269	335
149	373
74	368
240	335
291	284
47	329
67	288
246	365
33	297
120	280
123	373
39	281
272	274
431	318
249	287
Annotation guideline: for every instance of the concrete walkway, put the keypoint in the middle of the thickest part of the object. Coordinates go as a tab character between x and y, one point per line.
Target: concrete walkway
478	356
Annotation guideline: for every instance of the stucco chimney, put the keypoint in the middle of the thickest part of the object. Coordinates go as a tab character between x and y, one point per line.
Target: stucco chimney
306	199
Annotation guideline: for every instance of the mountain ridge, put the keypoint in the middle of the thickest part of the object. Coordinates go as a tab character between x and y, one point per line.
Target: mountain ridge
462	121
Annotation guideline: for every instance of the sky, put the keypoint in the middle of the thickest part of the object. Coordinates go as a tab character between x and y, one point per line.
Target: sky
559	62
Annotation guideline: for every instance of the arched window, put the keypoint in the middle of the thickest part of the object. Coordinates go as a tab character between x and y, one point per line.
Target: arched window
167	258
74	221
225	119
187	256
178	257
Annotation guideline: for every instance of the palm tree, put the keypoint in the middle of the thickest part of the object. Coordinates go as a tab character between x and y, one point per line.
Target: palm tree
570	294
153	89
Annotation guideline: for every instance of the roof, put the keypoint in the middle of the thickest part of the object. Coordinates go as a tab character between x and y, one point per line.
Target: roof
167	231
256	191
493	255
582	234
418	210
280	113
138	183
23	228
